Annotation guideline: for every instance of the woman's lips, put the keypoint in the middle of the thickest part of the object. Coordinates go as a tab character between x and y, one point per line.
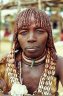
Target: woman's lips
32	49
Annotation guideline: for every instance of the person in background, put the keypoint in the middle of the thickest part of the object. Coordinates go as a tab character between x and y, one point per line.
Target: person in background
6	33
33	66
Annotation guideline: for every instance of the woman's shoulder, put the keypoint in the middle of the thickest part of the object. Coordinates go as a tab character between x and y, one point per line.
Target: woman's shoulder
59	61
59	66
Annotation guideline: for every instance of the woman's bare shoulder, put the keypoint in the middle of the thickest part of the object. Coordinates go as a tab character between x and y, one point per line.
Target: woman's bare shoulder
59	66
60	61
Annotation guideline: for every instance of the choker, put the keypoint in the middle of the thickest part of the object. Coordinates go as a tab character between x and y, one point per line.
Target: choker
33	62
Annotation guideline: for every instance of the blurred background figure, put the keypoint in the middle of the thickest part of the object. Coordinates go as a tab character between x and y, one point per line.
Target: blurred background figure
6	33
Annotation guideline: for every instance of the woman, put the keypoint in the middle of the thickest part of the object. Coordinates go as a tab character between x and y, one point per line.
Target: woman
34	62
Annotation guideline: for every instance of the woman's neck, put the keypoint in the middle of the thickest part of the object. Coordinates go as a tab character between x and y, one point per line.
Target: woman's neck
33	62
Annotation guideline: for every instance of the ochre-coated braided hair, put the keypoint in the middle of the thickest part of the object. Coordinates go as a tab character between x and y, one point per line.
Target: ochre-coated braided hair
41	18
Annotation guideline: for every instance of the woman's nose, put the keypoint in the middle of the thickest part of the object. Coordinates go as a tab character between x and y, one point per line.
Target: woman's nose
31	37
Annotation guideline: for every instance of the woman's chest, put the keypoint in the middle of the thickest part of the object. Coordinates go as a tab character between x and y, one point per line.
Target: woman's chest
31	77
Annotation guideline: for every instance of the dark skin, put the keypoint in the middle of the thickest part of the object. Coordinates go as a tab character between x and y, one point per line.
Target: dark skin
31	76
33	41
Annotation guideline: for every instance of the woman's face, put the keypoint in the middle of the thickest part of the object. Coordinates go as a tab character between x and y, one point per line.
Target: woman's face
32	39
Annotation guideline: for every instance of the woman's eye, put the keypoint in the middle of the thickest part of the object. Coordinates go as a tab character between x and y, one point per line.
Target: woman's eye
40	31
23	33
